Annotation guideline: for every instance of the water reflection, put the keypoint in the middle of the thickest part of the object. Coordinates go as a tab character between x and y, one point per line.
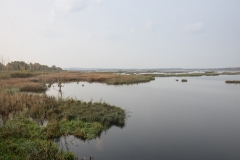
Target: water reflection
198	119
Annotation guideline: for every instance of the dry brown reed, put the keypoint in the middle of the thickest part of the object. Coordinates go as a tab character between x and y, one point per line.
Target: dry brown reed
37	83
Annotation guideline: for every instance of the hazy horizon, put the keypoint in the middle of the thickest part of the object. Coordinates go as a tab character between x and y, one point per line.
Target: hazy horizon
121	34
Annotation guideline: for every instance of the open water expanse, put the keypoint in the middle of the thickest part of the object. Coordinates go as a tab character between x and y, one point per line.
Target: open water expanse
199	119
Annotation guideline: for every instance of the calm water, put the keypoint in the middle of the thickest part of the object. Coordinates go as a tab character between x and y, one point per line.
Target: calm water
199	119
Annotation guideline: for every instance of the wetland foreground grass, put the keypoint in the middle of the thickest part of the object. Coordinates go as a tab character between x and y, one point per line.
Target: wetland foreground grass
22	137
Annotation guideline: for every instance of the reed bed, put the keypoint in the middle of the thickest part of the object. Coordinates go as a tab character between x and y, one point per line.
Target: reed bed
36	82
109	78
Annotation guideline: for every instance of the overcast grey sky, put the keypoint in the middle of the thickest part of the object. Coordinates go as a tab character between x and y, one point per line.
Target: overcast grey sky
122	33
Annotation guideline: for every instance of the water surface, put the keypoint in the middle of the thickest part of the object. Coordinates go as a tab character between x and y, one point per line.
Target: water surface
199	119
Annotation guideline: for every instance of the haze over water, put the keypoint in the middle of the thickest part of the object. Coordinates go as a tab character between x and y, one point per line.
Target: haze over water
168	120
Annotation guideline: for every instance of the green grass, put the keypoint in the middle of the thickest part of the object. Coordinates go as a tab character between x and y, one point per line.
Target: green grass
22	138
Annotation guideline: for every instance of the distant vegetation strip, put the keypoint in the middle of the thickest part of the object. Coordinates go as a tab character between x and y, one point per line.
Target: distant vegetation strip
233	81
193	74
22	66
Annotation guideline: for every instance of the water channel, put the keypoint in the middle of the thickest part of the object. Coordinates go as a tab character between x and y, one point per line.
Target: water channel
198	119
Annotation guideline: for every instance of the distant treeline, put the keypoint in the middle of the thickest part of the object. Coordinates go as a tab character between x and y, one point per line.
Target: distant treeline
22	66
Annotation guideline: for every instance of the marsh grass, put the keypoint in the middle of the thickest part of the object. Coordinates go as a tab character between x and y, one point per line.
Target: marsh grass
22	74
43	107
36	82
24	138
4	75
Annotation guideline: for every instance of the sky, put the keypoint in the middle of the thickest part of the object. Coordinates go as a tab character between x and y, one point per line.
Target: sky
121	33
